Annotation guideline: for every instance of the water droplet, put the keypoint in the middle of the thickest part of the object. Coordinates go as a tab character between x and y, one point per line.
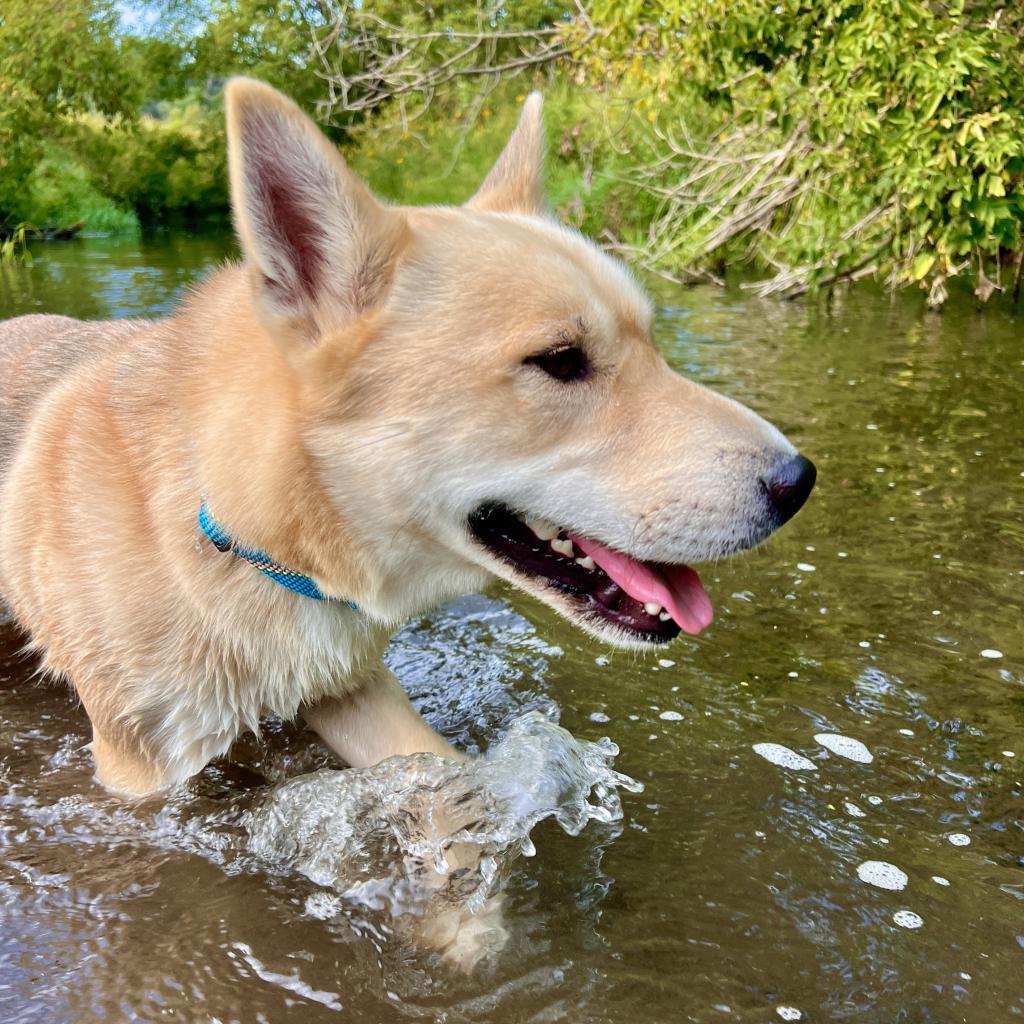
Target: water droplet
853	810
665	662
876	800
789	1013
670	716
991	652
327	825
600	660
939	880
806	567
599	716
906	732
845	746
959	839
323	905
908	919
882	875
784	757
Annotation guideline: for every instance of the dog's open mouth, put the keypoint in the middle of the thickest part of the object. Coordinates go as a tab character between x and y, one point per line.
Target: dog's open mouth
649	600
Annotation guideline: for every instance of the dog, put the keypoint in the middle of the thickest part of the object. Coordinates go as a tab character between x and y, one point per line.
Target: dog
226	513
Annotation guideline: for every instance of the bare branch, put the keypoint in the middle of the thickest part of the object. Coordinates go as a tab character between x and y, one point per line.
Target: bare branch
367	61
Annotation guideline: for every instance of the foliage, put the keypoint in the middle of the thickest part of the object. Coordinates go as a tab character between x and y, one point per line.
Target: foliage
840	137
61	191
131	118
165	165
14	245
55	56
812	142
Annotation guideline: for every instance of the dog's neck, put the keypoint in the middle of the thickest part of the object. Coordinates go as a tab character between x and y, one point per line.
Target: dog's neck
255	471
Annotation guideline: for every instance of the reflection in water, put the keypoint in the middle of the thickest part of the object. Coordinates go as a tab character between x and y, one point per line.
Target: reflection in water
731	888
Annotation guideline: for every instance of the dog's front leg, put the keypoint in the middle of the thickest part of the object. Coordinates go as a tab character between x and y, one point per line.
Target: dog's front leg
376	722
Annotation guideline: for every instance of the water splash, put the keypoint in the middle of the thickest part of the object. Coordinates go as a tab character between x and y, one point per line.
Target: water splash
422	832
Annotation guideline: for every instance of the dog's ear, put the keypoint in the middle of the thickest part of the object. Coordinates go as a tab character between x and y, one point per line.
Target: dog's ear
320	245
514	184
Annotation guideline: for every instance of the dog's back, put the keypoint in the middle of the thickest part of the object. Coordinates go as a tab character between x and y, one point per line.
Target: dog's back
36	352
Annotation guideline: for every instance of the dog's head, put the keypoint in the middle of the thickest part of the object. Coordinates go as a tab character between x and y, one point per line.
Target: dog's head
482	395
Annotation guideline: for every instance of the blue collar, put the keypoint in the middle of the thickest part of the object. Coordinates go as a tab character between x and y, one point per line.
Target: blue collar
259	560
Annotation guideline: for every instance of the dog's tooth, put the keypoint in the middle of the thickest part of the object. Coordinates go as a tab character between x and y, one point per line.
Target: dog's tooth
652	609
664	616
586	563
543	529
563	547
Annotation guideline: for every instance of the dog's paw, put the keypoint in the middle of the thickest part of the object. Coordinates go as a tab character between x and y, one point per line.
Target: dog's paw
465	939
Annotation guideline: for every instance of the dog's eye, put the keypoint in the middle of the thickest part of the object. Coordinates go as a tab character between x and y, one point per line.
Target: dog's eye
566	363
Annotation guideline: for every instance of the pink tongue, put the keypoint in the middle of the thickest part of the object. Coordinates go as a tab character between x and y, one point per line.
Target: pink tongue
676	587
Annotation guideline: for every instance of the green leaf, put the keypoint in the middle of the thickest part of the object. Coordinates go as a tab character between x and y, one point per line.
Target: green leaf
923	262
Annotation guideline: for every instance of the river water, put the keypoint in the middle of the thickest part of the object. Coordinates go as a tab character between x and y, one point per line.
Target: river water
875	877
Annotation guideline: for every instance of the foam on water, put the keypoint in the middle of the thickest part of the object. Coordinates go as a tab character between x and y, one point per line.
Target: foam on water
845	746
422	830
882	874
784	757
907	919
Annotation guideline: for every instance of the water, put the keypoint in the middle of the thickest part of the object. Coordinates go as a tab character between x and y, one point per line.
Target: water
730	890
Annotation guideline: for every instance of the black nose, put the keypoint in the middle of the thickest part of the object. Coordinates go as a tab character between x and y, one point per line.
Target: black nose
789	486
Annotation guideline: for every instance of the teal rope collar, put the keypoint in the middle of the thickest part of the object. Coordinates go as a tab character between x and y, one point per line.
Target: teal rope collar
260	560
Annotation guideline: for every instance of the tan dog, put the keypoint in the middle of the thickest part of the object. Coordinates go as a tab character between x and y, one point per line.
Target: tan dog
395	405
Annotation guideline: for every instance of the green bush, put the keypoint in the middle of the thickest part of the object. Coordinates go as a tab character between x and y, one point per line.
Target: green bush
826	140
168	165
61	191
